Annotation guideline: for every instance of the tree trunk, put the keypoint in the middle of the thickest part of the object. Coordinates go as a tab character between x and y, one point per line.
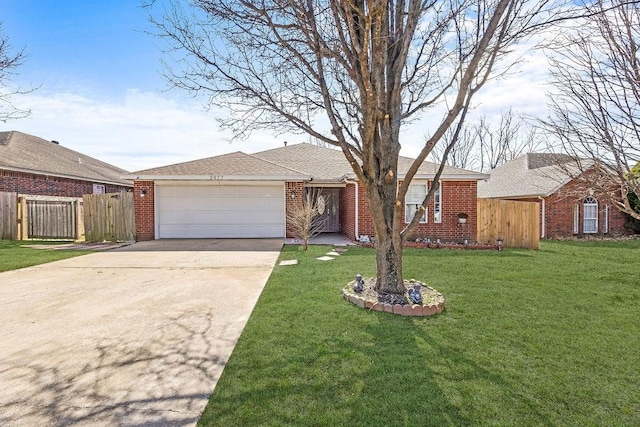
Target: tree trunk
386	213
389	264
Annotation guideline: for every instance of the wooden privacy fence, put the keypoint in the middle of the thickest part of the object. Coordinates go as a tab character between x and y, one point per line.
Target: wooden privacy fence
516	223
52	219
8	216
41	217
109	217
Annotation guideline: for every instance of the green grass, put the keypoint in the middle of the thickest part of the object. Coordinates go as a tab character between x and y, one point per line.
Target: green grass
548	337
13	255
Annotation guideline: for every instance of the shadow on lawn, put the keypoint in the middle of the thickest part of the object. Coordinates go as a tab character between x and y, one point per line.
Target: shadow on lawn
431	382
163	378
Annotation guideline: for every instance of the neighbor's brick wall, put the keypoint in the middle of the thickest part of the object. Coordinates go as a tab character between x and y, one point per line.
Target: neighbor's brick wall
44	185
144	210
559	208
296	189
559	216
457	197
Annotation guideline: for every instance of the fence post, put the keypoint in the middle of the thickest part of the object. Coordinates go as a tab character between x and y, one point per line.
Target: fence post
23	233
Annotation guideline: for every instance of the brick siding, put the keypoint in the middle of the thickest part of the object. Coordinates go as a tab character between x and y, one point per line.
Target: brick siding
45	185
145	210
348	211
457	197
295	189
559	212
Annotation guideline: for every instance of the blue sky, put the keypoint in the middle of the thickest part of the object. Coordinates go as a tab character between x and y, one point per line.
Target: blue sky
101	93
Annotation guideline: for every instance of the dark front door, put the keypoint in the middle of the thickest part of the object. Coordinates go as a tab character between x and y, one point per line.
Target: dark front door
329	209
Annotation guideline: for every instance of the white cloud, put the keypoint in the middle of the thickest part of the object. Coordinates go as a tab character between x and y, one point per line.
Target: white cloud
144	130
138	130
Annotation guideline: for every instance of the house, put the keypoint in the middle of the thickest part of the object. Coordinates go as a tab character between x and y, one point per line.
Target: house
566	207
34	166
240	195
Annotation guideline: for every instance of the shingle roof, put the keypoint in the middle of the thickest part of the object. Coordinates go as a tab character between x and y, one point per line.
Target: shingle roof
319	162
529	175
302	161
236	164
27	153
330	164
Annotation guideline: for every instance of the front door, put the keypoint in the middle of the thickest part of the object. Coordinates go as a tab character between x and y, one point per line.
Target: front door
329	209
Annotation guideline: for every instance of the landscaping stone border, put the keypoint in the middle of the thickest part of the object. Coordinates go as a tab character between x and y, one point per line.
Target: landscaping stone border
399	309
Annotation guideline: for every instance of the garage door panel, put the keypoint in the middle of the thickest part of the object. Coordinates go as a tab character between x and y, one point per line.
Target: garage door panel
220	211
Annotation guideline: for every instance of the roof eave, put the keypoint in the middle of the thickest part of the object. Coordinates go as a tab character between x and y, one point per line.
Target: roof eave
152	177
453	177
76	178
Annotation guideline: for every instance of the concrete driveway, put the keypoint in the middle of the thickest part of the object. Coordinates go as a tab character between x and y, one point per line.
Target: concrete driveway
136	336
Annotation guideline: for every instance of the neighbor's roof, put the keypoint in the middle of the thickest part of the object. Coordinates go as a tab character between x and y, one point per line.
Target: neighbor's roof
529	175
232	166
27	153
297	161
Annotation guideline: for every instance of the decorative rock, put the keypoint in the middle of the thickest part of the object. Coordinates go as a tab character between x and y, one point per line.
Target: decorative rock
414	295
359	285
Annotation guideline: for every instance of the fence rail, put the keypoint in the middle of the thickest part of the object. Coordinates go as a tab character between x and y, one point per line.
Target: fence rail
517	224
109	217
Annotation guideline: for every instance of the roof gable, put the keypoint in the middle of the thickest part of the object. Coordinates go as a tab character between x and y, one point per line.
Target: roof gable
27	153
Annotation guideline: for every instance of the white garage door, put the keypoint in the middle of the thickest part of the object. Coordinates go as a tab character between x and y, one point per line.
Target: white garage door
220	211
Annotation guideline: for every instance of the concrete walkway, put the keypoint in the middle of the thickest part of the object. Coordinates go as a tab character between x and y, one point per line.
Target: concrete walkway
137	336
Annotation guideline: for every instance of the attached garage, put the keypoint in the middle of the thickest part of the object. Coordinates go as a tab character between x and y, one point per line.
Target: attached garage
219	209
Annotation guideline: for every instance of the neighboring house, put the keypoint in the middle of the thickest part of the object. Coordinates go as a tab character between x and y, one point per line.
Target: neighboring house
239	195
35	166
566	208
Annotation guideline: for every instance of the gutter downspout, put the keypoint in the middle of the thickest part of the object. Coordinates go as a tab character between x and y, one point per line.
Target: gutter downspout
543	219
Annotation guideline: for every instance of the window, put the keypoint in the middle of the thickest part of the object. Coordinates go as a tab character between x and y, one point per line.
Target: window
590	215
605	220
98	189
413	200
576	219
437	204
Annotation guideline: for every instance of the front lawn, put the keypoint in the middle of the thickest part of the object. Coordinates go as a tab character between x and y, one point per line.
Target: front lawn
548	337
14	254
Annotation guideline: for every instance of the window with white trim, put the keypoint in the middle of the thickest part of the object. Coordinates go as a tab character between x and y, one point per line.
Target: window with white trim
576	219
437	203
413	200
99	189
605	219
590	215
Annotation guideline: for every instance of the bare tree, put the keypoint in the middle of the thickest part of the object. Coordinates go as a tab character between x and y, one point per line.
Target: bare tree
9	62
367	66
305	219
595	104
484	145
